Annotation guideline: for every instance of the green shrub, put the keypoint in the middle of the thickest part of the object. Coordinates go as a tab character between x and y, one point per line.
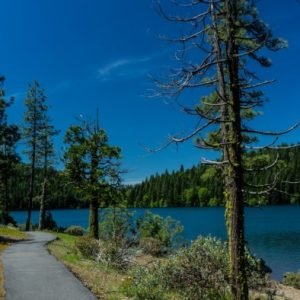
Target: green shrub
116	224
75	230
198	272
88	247
154	230
144	284
152	246
114	255
292	279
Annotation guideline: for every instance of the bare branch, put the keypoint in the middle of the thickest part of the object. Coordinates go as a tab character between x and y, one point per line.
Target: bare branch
252	86
213	162
290	182
197	18
263	147
195	132
271	133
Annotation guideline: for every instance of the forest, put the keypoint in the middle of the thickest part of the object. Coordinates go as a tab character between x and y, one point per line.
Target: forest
202	185
197	186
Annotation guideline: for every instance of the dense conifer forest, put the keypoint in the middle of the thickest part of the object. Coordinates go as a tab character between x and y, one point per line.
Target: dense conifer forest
202	185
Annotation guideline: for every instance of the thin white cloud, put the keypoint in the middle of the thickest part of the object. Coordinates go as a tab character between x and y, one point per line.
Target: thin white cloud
107	69
120	67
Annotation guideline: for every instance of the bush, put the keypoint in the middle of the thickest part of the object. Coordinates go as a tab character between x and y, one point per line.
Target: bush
155	231
292	279
88	247
152	246
197	272
75	230
117	225
114	255
144	284
200	271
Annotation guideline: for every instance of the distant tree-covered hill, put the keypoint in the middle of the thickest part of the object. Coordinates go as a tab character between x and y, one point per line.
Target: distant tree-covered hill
200	185
277	181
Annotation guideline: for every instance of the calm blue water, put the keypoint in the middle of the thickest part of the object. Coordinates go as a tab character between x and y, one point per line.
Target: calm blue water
273	232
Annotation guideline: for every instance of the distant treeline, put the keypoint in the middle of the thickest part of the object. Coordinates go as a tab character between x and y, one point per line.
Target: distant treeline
202	185
61	194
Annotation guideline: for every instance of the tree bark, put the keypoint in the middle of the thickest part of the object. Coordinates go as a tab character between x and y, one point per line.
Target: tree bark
94	205
234	188
94	220
43	205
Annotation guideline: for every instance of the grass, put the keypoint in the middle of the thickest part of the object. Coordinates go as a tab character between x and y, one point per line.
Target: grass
102	281
7	236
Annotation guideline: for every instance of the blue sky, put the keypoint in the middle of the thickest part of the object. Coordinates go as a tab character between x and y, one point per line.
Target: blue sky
99	53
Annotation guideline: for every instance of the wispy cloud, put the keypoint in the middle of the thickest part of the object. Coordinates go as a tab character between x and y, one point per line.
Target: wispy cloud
125	67
107	69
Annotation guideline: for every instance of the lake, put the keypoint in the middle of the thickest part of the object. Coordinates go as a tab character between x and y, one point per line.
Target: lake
272	232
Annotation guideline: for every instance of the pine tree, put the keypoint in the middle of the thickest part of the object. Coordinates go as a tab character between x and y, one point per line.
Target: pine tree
33	135
229	33
92	165
46	156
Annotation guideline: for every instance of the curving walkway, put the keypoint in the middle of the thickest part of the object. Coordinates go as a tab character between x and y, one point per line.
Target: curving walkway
31	273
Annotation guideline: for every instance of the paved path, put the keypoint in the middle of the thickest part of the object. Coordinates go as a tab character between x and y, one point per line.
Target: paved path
31	273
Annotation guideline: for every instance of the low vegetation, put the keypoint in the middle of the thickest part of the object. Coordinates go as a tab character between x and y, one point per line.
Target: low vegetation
292	279
8	234
118	266
75	230
195	272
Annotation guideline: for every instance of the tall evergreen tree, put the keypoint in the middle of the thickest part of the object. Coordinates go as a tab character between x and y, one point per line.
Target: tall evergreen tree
33	135
229	33
46	159
92	165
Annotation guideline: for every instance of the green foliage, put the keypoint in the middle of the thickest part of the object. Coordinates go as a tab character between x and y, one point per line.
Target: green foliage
145	284
157	235
116	224
75	230
9	136
117	236
200	271
292	279
88	247
153	246
115	255
203	186
197	272
88	149
93	165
